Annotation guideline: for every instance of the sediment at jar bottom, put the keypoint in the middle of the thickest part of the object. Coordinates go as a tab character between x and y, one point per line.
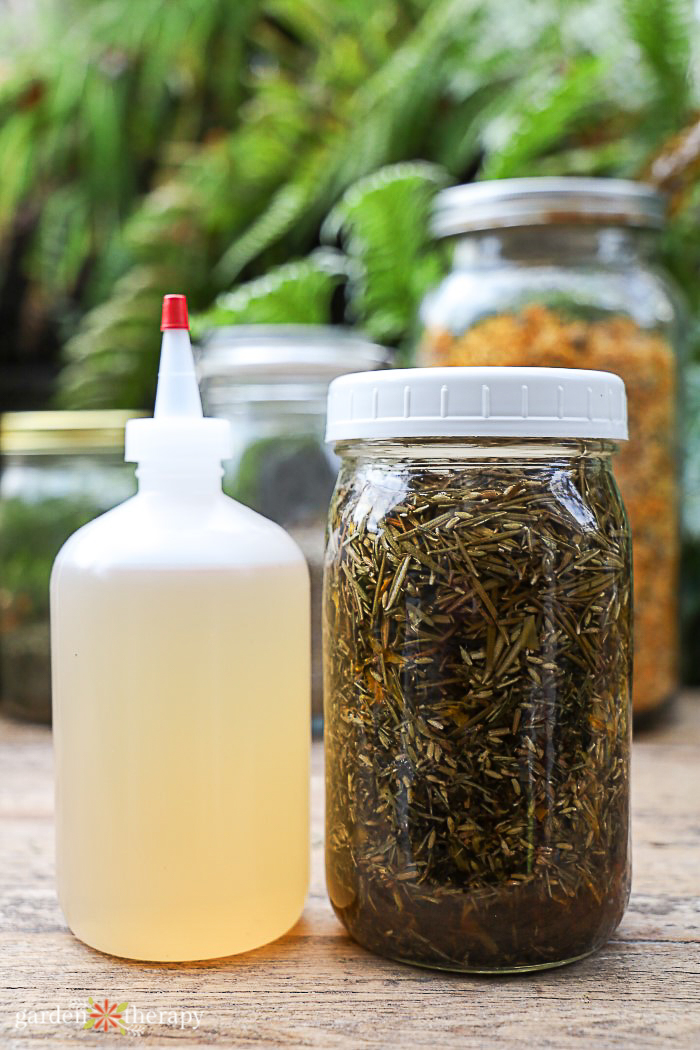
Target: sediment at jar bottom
645	468
519	927
477	669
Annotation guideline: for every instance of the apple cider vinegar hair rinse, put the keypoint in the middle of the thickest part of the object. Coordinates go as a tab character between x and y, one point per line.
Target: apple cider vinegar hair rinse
180	651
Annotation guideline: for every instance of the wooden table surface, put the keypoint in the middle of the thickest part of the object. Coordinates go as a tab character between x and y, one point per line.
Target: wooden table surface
316	988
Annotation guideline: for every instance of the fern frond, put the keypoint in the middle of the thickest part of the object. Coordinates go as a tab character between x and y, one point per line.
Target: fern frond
62	241
285	209
391	112
17	148
663	31
298	292
195	144
382	223
539	124
112	361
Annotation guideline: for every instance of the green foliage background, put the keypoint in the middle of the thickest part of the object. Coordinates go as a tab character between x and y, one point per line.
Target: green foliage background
212	147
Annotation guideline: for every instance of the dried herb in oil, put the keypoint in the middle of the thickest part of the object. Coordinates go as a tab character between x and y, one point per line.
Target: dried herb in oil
477	665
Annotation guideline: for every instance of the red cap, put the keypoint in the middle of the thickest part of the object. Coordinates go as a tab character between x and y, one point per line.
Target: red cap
174	312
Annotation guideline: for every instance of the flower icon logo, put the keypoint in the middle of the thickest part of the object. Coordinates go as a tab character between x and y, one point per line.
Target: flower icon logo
106	1017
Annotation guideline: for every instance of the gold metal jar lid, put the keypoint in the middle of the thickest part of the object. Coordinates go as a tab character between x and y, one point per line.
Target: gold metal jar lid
64	432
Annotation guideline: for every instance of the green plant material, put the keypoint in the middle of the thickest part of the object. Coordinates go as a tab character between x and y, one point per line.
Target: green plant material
681	257
296	293
92	111
541	122
663	31
18	144
477	648
288	479
392	262
289	159
31	534
192	147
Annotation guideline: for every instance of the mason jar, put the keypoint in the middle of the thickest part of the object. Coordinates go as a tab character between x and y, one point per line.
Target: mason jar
561	272
477	660
271	381
59	470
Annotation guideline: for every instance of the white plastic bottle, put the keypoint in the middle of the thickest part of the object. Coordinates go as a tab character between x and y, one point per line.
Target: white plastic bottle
180	649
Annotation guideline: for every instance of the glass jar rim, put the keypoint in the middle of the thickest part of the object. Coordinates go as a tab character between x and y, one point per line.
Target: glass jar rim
72	432
546	201
286	353
425	450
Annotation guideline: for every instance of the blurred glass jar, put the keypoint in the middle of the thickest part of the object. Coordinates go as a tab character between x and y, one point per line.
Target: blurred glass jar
272	381
560	272
59	470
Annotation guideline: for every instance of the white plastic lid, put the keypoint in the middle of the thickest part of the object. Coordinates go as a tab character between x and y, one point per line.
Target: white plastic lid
477	402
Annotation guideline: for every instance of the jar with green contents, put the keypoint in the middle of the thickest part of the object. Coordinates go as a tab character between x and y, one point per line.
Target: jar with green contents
477	663
58	471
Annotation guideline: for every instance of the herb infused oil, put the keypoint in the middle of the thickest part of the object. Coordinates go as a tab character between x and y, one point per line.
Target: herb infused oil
477	667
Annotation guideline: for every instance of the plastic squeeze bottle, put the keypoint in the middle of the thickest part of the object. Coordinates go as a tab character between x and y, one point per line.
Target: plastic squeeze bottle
180	651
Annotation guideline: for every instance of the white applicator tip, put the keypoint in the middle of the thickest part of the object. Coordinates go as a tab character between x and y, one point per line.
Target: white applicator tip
177	394
177	434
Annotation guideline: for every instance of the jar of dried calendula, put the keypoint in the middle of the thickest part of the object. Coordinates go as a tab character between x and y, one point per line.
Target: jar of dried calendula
477	662
559	272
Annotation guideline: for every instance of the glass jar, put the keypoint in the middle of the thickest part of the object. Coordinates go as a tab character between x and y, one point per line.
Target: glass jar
59	470
271	381
477	666
559	272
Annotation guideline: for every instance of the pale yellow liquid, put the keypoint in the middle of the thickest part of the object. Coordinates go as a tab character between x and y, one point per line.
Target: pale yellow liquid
181	720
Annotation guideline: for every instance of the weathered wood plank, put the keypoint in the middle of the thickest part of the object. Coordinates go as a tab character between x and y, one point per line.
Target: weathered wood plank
315	988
